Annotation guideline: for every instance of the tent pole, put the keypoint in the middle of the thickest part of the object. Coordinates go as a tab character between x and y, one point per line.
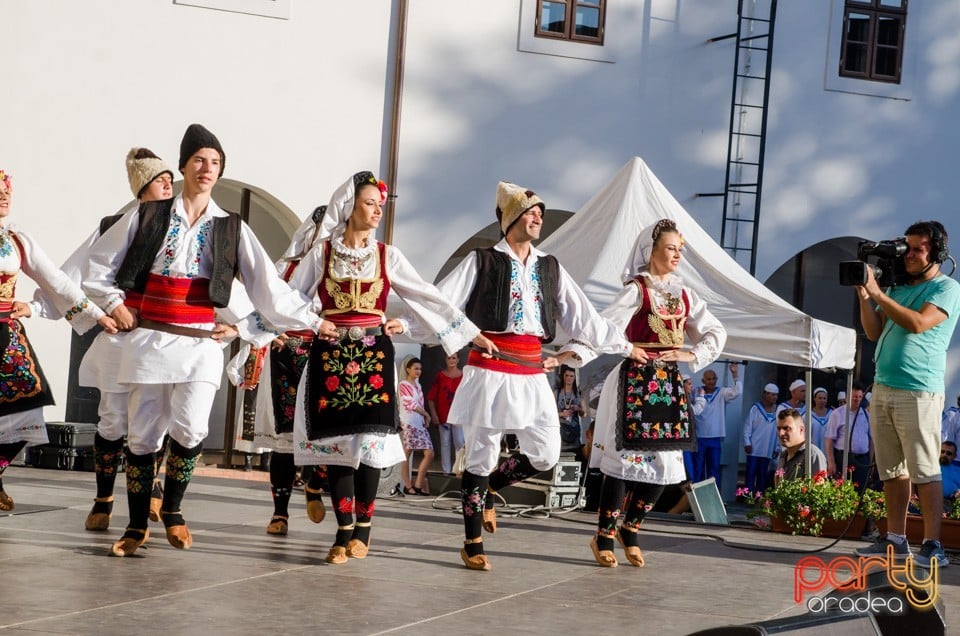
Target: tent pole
808	430
847	432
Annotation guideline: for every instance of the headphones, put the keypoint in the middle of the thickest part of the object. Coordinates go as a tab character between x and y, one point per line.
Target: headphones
939	251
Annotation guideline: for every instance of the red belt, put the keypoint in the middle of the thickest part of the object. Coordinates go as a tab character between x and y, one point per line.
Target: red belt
518	354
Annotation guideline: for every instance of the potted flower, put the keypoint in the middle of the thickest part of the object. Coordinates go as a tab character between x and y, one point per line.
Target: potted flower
949	525
803	506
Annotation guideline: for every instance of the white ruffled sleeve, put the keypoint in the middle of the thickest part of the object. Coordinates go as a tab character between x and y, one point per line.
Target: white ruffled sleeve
64	295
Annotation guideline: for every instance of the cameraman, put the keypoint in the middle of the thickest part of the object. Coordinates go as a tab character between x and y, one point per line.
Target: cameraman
912	325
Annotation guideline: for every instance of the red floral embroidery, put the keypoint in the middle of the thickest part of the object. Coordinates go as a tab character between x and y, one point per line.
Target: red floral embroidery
352	368
332	383
365	509
376	381
345	505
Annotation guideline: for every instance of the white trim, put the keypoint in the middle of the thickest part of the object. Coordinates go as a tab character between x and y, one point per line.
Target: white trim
832	81
529	43
267	8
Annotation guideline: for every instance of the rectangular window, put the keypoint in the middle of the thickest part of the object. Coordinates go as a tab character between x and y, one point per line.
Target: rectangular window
574	20
873	33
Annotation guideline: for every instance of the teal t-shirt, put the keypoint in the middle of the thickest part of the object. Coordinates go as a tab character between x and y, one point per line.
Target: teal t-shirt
918	361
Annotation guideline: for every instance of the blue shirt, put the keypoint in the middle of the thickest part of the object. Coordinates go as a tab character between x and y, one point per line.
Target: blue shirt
918	361
950	474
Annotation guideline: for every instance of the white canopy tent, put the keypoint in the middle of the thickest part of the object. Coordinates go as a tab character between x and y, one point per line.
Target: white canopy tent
595	244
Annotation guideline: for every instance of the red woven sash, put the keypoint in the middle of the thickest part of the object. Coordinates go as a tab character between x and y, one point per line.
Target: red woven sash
177	300
526	348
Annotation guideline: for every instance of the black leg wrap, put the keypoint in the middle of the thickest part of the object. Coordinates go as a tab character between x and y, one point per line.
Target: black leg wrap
106	462
515	468
139	483
342	494
611	500
180	465
472	491
641	501
282	474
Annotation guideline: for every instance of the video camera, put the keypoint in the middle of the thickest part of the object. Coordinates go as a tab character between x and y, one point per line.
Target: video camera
889	270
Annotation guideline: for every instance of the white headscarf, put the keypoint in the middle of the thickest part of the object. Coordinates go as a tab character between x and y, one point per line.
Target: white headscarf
640	257
341	205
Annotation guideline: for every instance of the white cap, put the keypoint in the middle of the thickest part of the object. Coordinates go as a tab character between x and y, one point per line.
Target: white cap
842	395
772	388
819	389
868	395
685	377
796	384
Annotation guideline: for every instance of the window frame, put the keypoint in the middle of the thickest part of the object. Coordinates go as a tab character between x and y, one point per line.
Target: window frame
569	20
876	11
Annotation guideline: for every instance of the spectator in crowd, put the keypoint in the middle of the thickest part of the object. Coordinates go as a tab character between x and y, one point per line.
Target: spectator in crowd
569	407
841	399
760	438
711	423
819	416
439	399
950	473
950	422
414	428
798	397
793	459
861	441
696	403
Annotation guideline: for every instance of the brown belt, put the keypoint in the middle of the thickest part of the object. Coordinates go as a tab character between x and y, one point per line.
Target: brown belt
177	330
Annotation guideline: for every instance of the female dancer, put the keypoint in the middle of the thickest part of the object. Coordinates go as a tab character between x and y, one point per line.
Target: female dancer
414	431
344	416
642	419
24	390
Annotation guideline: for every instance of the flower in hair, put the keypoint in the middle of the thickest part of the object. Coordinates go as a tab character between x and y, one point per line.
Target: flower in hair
383	191
7	179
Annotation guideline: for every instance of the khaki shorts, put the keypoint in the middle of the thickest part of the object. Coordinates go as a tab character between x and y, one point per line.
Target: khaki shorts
906	433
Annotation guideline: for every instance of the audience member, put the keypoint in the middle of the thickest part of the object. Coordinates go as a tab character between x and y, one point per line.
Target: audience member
861	441
819	416
569	407
439	399
760	438
711	423
793	459
950	422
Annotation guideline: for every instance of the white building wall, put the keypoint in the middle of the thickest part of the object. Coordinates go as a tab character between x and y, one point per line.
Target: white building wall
301	103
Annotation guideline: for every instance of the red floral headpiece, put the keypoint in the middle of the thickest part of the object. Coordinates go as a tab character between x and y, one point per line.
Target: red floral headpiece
383	191
7	180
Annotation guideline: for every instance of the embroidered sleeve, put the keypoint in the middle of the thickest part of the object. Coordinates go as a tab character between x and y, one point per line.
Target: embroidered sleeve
64	293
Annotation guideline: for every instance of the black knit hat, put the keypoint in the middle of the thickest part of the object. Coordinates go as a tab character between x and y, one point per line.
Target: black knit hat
198	137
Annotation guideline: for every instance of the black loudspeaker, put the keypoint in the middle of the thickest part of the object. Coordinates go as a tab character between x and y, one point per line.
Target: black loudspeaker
804	625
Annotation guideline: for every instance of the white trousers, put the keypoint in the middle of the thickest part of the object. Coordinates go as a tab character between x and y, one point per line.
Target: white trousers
182	410
541	444
113	415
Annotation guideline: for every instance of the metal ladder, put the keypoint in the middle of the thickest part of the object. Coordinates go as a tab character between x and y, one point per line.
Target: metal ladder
748	129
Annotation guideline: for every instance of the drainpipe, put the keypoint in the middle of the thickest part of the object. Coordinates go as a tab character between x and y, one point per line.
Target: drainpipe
393	141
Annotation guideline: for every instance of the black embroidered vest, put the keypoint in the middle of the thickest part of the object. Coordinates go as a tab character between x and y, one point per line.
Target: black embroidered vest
148	241
489	303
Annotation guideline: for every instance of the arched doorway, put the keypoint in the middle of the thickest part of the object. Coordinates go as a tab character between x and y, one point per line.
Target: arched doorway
274	223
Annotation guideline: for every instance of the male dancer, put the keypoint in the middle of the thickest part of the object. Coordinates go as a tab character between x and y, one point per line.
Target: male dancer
517	295
181	255
150	179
